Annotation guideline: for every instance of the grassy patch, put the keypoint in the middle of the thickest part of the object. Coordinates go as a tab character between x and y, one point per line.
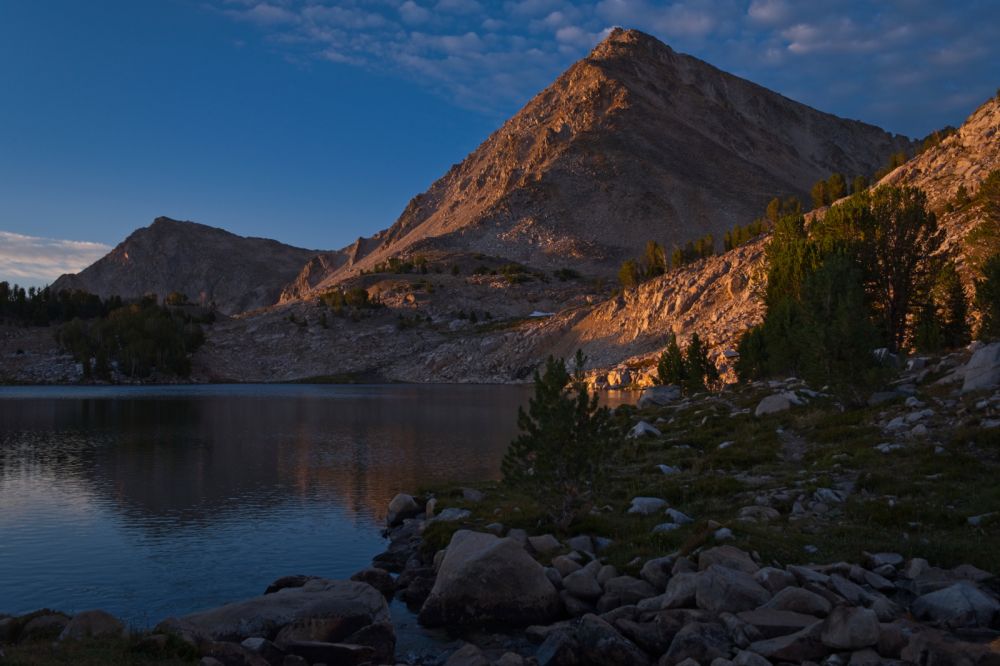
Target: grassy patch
100	652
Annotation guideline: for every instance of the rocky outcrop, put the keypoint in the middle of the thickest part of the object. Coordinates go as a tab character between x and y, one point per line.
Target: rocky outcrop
208	265
321	610
485	579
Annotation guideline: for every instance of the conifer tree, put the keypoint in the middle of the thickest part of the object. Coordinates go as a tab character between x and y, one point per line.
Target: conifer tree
671	368
988	299
564	439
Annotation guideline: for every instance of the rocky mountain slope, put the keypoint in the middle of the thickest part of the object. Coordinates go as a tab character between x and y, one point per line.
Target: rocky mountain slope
207	264
634	142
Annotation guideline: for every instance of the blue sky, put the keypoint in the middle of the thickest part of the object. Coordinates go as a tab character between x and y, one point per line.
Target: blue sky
314	121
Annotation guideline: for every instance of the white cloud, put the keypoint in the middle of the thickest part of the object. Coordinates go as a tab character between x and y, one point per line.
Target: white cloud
769	11
411	12
31	260
493	56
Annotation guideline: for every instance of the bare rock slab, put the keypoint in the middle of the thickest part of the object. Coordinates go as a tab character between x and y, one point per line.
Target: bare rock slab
486	579
337	608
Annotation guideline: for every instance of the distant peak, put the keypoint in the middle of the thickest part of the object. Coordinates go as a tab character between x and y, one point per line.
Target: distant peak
164	220
628	40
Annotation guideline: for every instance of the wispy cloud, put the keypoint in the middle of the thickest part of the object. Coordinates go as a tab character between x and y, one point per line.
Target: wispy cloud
34	261
493	55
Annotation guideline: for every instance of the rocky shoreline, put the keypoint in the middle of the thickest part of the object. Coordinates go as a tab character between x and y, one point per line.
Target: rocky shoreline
669	590
535	599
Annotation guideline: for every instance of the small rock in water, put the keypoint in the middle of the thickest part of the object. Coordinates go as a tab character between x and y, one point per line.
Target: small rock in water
723	534
810	549
726	445
667	469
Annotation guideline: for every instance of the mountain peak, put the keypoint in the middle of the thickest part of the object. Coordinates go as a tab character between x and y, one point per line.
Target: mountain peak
628	41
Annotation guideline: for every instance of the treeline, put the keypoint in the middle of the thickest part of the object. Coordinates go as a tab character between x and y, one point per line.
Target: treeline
134	339
689	369
43	306
869	275
776	209
826	192
654	261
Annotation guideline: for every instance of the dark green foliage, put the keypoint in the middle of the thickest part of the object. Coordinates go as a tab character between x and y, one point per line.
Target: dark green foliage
776	209
628	274
952	308
565	439
455	270
740	235
671	369
895	160
515	273
393	265
693	251
837	336
40	307
700	370
852	284
654	260
935	138
690	369
983	241
175	298
825	192
353	299
988	299
138	338
564	274
753	358
894	239
859	184
927	336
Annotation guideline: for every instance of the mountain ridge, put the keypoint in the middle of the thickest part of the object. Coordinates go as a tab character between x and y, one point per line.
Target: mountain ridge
633	131
207	264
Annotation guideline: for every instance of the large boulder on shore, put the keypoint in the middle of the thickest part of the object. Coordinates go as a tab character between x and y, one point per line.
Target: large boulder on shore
982	372
486	579
329	610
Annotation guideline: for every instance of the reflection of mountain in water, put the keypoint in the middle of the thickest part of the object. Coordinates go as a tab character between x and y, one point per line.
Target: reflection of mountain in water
172	461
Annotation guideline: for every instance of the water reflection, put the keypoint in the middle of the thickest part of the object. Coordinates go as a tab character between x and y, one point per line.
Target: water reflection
150	502
157	501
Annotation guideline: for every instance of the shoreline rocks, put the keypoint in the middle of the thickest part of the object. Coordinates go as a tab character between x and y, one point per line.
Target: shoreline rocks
716	606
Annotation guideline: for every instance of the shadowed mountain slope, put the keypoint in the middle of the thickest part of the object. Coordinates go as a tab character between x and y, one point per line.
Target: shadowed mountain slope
207	264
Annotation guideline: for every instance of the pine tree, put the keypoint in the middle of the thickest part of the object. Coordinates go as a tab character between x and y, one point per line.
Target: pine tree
654	260
628	274
837	336
952	307
671	368
988	299
698	368
565	437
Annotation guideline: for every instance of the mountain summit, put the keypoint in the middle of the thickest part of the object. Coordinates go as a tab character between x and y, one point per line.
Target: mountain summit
206	264
632	143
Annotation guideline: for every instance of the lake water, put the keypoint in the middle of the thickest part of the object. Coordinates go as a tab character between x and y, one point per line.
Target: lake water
157	501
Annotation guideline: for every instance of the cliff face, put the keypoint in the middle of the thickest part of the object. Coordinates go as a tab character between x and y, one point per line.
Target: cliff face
634	142
209	265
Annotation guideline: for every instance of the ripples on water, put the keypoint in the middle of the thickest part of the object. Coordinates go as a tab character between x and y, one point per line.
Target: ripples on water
151	502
